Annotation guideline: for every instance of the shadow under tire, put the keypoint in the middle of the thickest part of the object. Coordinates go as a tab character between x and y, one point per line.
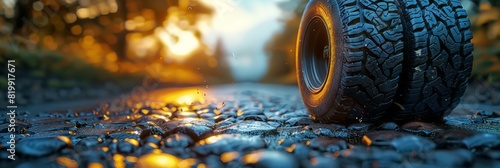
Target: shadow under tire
349	55
438	59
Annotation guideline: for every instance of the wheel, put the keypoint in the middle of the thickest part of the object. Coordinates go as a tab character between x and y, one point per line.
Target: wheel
438	59
349	55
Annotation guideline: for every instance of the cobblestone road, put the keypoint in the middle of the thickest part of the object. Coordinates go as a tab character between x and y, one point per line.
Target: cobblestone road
245	125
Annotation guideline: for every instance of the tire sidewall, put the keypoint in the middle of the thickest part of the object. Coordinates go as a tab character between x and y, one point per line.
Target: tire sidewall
320	102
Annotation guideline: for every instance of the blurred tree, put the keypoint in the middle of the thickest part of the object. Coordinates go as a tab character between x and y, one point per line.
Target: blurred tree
486	31
281	48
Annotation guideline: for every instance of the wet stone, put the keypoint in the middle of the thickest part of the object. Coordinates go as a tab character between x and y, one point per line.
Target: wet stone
255	118
488	159
300	150
88	143
46	128
127	146
125	134
449	158
249	111
219	144
178	152
146	149
322	161
207	116
359	127
213	161
178	141
182	115
293	115
42	146
226	122
286	142
220	118
151	129
269	159
46	162
467	139
421	128
20	126
362	156
276	118
401	142
247	127
327	144
152	119
485	113
298	121
274	124
324	132
94	156
170	125
155	139
303	135
196	132
388	126
457	120
230	114
492	120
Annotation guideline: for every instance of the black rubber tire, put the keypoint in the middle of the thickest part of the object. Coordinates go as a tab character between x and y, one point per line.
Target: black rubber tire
359	78
438	59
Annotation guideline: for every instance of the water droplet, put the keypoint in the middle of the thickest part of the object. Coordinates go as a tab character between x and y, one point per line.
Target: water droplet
189	8
207	86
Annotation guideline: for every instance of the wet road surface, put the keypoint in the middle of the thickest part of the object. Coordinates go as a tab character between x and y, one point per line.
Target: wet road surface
244	125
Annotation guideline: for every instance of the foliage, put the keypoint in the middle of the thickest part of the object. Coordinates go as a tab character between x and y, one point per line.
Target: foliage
486	31
56	70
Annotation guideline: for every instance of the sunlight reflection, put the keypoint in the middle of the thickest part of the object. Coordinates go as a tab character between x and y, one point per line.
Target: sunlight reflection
157	160
184	97
251	158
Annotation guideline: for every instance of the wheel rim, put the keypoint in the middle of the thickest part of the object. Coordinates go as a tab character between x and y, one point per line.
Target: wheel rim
316	54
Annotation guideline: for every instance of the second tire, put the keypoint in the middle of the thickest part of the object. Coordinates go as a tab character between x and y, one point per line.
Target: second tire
349	56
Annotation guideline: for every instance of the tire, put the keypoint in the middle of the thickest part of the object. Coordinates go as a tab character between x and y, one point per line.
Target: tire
438	59
349	55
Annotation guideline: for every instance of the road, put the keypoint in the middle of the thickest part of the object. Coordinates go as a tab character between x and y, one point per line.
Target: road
242	125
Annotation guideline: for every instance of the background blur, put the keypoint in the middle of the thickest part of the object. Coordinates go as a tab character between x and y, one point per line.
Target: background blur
71	49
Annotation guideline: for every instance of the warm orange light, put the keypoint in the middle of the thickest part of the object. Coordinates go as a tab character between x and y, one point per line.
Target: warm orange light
187	162
186	99
132	141
65	139
291	148
157	160
251	158
228	156
65	161
210	140
179	42
367	141
131	159
118	161
95	165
